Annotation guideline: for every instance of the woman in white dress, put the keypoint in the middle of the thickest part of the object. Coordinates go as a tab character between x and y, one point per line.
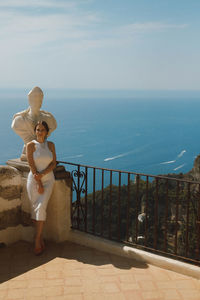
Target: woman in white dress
41	157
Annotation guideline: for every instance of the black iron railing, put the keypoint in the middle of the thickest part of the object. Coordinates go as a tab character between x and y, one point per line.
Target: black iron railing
156	213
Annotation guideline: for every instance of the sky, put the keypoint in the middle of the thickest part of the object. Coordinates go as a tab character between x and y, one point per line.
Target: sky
100	44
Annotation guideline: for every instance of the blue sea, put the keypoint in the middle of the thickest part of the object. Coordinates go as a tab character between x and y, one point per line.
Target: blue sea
152	132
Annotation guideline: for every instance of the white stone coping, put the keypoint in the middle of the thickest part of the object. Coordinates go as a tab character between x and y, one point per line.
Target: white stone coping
112	247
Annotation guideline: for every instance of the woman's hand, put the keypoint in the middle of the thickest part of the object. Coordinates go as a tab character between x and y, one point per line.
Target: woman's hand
40	187
37	176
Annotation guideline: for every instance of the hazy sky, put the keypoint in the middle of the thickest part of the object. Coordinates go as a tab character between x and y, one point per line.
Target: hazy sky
104	44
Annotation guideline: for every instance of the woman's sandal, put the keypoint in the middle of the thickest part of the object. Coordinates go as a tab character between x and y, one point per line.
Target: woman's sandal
38	251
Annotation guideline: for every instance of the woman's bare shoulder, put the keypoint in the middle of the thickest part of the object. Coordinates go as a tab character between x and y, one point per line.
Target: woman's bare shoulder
30	145
51	145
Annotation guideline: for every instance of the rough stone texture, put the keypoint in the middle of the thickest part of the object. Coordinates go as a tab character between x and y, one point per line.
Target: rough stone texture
10	218
61	173
7	172
24	197
22	166
25	218
10	192
195	172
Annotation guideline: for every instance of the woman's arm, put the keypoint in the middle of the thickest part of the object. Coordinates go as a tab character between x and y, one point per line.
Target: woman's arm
52	165
30	148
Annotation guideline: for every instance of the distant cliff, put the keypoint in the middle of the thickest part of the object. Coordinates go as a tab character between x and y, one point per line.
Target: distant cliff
194	174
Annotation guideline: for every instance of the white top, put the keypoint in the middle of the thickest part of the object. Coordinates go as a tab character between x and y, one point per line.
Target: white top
42	156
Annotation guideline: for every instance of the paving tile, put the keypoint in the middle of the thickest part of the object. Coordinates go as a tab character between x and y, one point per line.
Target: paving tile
74	265
170	294
127	278
71	272
52	267
127	286
73	281
169	284
87	273
16	293
35	298
93	296
184	284
53	282
133	295
108	278
36	274
159	275
67	297
3	294
110	287
173	275
4	285
196	283
35	283
19	277
152	295
34	292
108	271
190	294
143	277
54	274
147	285
69	290
18	284
91	286
53	291
114	296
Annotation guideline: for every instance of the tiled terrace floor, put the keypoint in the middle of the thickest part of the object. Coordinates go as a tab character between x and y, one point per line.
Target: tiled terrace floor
70	271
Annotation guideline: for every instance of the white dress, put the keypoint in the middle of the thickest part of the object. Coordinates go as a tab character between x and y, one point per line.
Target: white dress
42	157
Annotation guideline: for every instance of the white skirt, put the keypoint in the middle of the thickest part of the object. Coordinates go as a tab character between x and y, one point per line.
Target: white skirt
39	202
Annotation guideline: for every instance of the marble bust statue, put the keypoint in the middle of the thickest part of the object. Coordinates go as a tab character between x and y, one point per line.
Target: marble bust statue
24	122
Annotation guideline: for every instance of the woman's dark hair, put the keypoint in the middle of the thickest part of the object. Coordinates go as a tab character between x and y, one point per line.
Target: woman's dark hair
44	124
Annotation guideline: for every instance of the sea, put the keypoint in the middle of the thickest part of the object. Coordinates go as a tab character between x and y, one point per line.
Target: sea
150	132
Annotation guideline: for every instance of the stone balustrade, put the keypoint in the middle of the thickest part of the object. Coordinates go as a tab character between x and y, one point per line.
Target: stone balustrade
15	220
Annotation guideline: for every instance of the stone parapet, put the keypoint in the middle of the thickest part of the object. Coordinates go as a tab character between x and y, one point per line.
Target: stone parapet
15	220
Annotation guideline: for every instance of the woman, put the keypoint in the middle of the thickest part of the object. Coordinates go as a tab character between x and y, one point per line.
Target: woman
41	157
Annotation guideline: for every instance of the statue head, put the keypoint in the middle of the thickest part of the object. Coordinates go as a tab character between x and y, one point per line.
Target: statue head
35	97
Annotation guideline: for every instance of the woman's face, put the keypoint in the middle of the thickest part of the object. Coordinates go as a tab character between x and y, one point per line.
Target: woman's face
41	132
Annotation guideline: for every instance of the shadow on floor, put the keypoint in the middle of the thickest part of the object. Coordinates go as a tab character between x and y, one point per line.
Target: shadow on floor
19	258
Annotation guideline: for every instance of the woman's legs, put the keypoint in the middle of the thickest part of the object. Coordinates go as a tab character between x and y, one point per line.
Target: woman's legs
38	236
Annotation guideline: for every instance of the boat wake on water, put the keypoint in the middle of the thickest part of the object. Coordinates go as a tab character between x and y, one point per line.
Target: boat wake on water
179	167
175	160
168	162
181	154
116	156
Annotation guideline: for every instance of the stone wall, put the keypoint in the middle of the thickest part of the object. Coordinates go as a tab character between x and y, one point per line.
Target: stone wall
15	220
